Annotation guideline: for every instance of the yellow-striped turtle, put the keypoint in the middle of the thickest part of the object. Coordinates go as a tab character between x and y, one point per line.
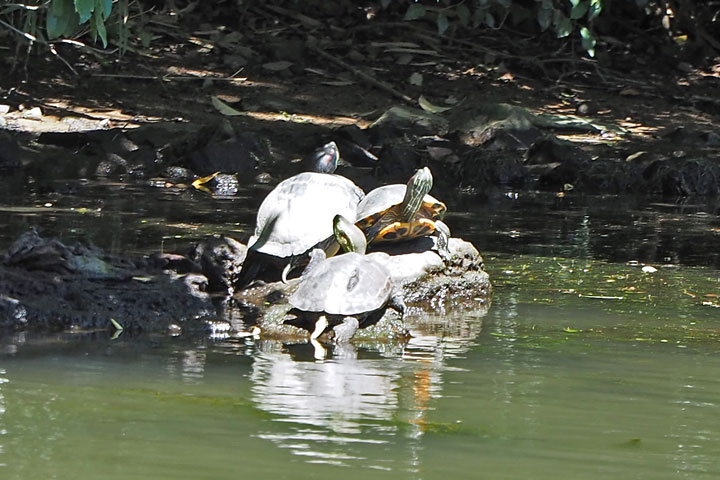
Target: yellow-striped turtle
402	212
347	291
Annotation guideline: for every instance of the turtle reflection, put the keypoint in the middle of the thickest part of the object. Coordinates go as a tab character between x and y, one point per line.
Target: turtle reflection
361	401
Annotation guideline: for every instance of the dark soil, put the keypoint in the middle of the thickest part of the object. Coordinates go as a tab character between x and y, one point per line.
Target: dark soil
284	75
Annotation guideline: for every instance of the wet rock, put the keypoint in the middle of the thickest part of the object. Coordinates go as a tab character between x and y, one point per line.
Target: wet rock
398	162
482	169
113	164
426	283
564	162
220	260
222	184
9	153
241	154
398	122
355	146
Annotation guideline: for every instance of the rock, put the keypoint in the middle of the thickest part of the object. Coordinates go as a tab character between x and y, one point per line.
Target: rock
241	154
9	152
427	285
220	260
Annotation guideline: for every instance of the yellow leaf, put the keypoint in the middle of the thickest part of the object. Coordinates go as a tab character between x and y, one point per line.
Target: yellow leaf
200	182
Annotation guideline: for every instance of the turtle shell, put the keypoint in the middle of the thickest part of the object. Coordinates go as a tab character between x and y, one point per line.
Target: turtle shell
349	284
386	203
298	213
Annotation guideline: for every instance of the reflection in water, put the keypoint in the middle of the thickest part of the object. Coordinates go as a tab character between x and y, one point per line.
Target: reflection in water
347	409
190	366
3	430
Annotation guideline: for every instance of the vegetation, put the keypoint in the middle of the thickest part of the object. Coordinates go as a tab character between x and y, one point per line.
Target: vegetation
574	22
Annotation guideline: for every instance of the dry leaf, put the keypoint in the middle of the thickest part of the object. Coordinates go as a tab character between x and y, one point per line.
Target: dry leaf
416	79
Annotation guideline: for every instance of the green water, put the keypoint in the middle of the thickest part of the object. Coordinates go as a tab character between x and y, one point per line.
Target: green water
585	366
549	384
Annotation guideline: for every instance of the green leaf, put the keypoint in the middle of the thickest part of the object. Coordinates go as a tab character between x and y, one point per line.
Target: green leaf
563	25
414	12
588	41
463	14
544	18
490	20
478	17
442	23
99	22
579	10
104	7
84	9
145	38
595	9
61	7
60	18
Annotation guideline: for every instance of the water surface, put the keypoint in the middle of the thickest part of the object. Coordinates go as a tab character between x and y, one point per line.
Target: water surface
586	365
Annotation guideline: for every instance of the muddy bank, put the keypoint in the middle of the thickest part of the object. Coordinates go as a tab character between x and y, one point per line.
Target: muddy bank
473	147
45	285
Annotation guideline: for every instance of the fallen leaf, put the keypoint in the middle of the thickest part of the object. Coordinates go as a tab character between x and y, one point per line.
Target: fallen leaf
199	183
426	105
416	79
224	108
338	83
277	66
635	156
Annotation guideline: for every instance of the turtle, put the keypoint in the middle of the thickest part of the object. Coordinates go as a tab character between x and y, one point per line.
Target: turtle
297	215
325	159
346	291
403	212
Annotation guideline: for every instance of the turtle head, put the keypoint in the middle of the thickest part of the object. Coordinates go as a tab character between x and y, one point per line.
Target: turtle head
417	187
350	237
325	159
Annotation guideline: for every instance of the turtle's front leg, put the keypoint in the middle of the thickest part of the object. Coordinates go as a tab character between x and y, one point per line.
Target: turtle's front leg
320	325
442	232
345	331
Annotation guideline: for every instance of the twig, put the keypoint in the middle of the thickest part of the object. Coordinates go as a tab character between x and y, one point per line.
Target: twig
166	77
357	72
27	36
373	81
67	64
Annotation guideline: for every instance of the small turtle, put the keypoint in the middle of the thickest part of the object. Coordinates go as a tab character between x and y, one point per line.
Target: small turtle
297	215
347	291
325	159
403	212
